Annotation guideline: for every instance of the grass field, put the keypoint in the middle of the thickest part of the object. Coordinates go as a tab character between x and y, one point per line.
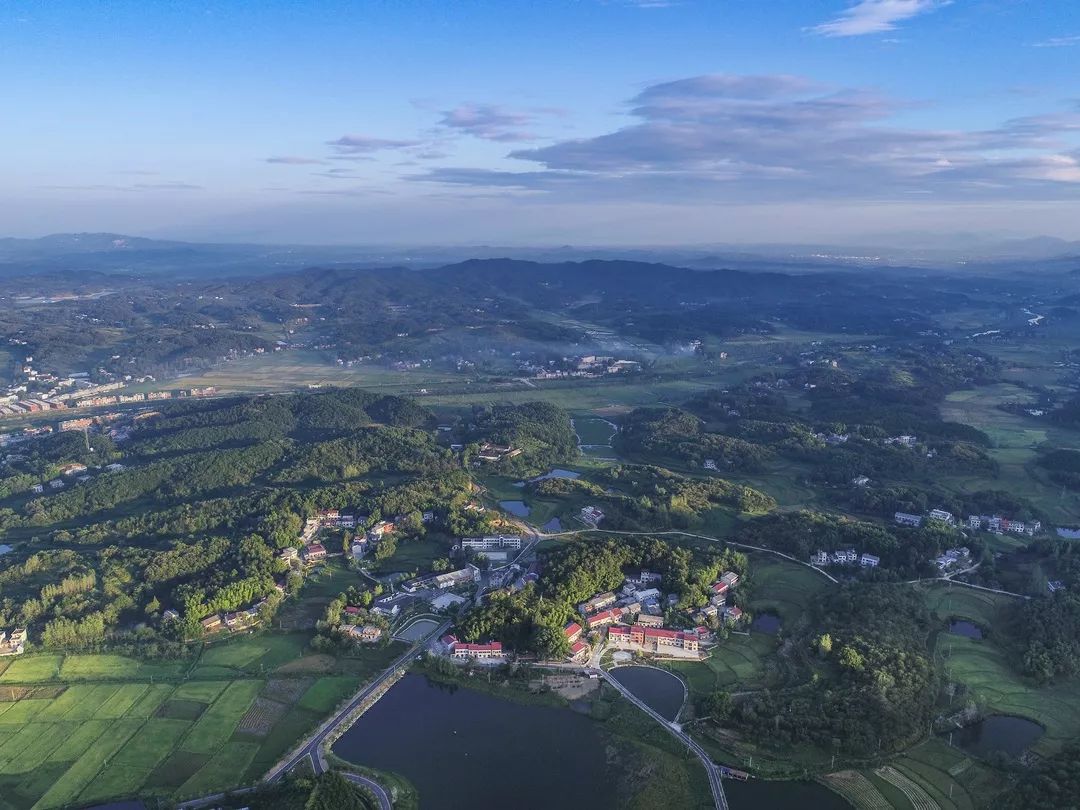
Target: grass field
783	587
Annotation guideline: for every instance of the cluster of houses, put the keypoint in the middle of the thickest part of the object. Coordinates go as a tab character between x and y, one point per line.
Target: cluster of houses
477	652
579	649
492	453
952	557
591	516
78	472
239	620
13	644
1001	525
845	556
915	521
364	633
590	365
903	440
657	640
718	606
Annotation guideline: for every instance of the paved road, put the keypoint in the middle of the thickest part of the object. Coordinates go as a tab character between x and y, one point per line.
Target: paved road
312	748
380	792
711	768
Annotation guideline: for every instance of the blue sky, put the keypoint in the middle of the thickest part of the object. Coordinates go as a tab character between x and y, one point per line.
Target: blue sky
568	121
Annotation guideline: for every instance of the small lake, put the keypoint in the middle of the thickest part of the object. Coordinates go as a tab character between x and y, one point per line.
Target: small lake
462	748
417	630
768	623
553	525
515	508
998	732
659	690
4	549
1068	534
967	629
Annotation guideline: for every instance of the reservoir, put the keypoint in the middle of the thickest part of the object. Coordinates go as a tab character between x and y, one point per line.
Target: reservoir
998	732
656	688
463	748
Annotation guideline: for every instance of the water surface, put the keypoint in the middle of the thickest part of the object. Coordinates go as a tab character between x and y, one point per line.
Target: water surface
766	623
964	628
515	508
998	732
656	688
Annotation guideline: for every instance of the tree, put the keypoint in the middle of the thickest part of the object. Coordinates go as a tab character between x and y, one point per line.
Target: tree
824	644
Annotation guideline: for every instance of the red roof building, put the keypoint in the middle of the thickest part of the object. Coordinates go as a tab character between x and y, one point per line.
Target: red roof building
603	618
572	631
492	650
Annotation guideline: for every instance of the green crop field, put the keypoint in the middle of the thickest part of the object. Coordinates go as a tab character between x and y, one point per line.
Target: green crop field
83	729
783	587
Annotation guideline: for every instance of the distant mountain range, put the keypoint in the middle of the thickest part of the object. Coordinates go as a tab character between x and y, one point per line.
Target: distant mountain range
119	254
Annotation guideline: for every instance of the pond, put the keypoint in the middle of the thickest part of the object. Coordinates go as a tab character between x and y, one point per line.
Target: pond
768	623
1068	534
658	689
967	629
557	473
462	748
998	732
553	525
515	508
417	630
4	549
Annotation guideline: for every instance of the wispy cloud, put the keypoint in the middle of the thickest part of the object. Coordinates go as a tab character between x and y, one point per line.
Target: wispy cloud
875	16
490	122
1058	42
728	137
363	144
293	160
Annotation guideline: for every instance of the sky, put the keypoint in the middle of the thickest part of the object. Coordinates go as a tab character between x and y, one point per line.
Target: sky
503	122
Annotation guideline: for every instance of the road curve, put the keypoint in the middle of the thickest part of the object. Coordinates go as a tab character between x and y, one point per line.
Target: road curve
380	792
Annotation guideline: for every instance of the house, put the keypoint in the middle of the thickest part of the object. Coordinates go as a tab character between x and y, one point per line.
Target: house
211	623
719	588
598	602
358	548
645	620
289	554
860	481
869	561
37	489
1034	527
478	651
942	516
710	464
448	641
170	615
975	521
379	530
455	579
56	483
907	519
819	558
708	610
1055	585
387	610
579	651
316	551
72	469
603	618
731	579
427	517
647	595
653	638
352	610
368	634
846	556
732	614
572	631
591	516
645	577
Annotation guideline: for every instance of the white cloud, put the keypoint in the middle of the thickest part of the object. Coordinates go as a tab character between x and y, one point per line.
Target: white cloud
1058	42
875	16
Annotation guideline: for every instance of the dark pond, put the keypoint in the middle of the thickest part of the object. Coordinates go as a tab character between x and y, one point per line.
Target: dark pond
766	623
1068	534
761	795
515	508
962	628
4	549
998	732
553	525
659	690
462	748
